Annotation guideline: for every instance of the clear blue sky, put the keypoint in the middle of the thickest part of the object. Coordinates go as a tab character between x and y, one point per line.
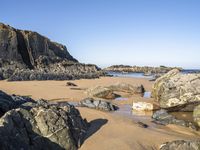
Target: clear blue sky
106	32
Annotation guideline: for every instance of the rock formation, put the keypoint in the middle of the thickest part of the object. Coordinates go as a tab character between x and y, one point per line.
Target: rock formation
164	118
29	124
107	92
181	145
146	70
178	91
27	55
97	104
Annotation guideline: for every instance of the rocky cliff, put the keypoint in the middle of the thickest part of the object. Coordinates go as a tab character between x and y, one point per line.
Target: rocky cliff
27	55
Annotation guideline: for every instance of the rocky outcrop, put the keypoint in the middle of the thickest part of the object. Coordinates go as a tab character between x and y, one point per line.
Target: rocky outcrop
181	145
29	124
146	70
108	92
27	55
178	91
164	118
97	104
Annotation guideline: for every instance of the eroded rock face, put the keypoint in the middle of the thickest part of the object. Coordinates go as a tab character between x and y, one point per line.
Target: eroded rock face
40	125
175	89
181	145
27	55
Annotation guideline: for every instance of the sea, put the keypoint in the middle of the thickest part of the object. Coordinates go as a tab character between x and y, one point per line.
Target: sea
141	75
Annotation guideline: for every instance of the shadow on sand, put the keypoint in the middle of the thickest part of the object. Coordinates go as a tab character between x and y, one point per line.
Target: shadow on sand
95	125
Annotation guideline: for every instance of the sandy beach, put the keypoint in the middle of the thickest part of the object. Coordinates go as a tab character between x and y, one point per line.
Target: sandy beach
108	130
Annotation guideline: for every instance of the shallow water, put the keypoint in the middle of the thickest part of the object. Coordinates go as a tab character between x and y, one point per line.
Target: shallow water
121	99
126	111
147	95
130	75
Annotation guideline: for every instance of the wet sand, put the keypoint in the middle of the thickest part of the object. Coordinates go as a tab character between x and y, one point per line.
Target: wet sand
108	130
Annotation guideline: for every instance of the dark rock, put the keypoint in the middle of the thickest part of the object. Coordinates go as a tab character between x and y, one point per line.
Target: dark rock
164	118
40	126
181	145
27	55
143	125
146	70
70	84
98	104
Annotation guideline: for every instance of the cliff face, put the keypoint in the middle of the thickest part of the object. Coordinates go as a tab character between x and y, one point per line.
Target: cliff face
27	46
22	51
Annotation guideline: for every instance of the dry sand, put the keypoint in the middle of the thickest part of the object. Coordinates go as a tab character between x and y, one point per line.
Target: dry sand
108	130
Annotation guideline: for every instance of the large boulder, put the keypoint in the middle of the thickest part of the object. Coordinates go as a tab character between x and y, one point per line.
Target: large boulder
8	102
175	89
196	115
100	92
128	88
40	125
181	145
27	55
108	92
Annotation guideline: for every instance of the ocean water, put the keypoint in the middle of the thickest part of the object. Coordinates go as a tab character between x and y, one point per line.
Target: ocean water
141	75
130	75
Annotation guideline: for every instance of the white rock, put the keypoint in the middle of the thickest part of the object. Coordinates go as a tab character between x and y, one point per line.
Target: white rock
142	106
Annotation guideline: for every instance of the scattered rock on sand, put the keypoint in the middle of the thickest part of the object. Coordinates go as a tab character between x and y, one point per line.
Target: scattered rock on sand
40	126
107	92
143	125
70	84
101	92
164	118
175	89
181	145
98	104
196	115
127	88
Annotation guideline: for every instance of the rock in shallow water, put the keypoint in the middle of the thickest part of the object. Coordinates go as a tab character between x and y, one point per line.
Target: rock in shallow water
181	145
40	126
177	90
164	118
143	106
